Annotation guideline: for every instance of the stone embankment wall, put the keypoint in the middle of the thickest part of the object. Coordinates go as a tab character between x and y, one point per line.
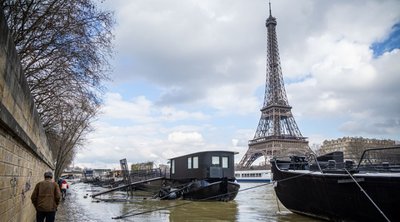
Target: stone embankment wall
24	151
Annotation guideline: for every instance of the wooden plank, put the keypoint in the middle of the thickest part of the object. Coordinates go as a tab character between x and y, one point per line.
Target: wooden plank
134	183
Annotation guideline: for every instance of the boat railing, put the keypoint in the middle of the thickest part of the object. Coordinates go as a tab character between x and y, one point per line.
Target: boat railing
384	159
291	163
313	163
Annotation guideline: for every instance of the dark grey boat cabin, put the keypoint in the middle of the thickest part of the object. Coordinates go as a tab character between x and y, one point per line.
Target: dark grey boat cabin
203	165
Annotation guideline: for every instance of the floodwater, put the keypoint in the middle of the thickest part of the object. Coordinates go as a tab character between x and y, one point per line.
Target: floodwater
254	202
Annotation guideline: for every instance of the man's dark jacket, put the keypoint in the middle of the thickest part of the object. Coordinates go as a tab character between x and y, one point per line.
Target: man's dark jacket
46	196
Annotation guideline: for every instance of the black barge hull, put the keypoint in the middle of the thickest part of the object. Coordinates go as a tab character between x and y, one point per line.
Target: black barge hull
219	191
337	197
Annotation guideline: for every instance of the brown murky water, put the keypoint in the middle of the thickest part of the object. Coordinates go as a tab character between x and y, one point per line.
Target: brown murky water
258	204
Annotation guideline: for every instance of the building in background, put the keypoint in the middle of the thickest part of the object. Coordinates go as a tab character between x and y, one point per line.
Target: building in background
352	147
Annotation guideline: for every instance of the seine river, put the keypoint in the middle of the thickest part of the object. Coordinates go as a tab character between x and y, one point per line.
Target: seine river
251	204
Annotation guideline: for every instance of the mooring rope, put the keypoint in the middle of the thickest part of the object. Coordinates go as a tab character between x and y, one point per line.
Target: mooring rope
370	199
129	214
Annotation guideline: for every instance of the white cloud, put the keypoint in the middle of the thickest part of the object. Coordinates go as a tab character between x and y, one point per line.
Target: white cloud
232	99
137	110
169	113
185	137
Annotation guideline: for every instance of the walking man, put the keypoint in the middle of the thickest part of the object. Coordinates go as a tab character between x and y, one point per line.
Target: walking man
46	197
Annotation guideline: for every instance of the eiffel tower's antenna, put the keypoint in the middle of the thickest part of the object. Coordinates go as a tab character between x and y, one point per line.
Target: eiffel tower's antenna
270	14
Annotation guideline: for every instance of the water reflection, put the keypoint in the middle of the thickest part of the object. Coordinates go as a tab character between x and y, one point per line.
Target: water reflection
257	204
205	211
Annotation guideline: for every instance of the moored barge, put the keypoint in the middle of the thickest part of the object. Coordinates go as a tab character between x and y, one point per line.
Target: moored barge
207	175
330	188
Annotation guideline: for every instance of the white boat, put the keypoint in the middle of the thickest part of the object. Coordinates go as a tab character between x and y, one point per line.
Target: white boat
253	175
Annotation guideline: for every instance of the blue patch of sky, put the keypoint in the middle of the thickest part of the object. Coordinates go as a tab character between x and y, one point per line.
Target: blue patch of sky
132	89
390	43
300	78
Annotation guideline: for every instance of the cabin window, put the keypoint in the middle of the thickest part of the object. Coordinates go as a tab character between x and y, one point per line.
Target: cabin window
189	162
195	162
225	162
215	160
172	166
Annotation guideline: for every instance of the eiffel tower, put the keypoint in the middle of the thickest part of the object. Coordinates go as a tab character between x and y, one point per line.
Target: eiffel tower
277	132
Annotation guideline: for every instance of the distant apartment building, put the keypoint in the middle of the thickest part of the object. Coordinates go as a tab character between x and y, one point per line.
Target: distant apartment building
142	166
352	147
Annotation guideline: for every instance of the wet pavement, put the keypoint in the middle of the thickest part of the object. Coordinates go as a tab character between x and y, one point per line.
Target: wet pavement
257	204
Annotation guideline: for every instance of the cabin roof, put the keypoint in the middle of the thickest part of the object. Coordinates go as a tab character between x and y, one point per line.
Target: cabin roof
209	151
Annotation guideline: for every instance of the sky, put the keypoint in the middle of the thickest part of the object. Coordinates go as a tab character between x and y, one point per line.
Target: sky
189	75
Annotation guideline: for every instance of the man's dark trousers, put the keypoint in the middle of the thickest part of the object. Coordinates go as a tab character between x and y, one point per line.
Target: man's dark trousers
50	216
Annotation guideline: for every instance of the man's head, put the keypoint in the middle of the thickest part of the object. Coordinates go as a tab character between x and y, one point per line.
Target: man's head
48	175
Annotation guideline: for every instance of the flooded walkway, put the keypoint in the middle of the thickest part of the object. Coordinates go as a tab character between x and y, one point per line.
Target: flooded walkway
251	205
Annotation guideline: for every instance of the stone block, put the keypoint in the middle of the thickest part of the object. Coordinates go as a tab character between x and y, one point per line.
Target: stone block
10	213
9	170
2	169
6	156
4	194
3	207
3	183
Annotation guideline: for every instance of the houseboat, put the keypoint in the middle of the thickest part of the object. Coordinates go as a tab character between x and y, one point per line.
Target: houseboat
207	175
330	188
253	176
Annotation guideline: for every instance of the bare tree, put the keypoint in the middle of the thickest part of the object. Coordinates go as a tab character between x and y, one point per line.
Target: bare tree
69	133
64	47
